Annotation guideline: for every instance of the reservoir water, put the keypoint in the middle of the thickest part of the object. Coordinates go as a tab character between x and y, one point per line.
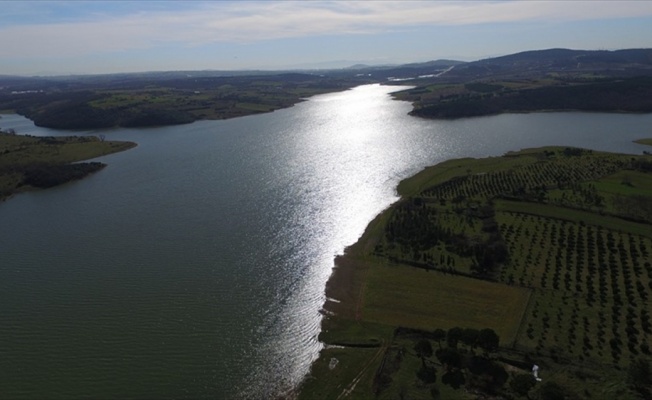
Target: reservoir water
194	265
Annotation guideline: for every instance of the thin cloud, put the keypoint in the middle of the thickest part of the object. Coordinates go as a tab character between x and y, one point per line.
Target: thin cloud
247	22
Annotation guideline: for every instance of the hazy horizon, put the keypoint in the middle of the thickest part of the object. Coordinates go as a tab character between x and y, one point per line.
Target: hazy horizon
103	37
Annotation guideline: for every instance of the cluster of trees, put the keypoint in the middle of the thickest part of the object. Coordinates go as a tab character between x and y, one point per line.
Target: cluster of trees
414	228
642	165
454	362
455	355
81	115
414	225
45	176
72	115
633	207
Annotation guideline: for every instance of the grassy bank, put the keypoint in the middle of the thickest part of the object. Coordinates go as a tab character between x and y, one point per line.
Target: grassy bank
28	162
550	249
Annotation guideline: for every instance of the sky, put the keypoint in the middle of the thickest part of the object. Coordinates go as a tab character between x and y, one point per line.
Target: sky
96	37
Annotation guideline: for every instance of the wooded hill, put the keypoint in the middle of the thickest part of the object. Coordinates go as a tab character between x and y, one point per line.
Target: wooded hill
84	103
478	99
538	63
546	80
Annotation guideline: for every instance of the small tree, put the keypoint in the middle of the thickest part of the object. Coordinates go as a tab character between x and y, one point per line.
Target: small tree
439	335
552	391
522	383
434	392
470	337
427	374
454	379
488	340
639	373
450	357
423	348
491	378
453	337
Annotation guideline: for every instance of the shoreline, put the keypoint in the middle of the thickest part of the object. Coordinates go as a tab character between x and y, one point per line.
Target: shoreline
414	113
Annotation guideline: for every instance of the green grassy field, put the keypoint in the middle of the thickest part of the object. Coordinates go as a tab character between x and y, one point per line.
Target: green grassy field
410	297
17	150
351	373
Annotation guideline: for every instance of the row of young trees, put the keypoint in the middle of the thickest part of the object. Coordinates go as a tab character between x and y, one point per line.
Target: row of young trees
560	171
605	273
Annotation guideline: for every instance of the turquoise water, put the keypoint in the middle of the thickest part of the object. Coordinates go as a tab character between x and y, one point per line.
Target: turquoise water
193	266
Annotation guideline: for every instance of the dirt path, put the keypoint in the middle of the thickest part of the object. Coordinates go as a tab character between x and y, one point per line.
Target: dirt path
351	386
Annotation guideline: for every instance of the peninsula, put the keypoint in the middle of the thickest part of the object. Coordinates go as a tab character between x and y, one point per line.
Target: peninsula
522	276
29	162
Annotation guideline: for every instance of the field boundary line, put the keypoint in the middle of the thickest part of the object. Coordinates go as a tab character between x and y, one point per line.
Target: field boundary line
531	295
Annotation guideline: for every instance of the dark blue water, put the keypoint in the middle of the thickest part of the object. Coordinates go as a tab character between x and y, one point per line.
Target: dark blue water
194	265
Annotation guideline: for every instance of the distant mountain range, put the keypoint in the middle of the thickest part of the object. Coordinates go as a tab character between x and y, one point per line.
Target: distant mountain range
527	64
620	62
629	62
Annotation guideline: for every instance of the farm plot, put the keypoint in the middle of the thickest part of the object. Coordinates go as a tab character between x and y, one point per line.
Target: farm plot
542	220
450	224
592	287
409	297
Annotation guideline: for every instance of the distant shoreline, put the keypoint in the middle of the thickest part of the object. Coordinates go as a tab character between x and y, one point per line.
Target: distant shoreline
168	103
34	163
478	99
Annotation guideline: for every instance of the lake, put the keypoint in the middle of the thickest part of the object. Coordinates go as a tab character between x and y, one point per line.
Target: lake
194	265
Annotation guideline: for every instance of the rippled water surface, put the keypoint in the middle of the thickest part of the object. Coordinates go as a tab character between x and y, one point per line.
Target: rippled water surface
194	265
